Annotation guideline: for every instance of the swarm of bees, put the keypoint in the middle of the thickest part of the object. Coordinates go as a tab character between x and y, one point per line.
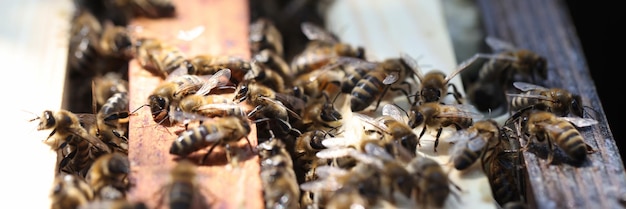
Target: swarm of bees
331	132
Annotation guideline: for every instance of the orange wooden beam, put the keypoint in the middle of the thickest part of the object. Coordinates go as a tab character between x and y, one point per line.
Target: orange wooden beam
225	31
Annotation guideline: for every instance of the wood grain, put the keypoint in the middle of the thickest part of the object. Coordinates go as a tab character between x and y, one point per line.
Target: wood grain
224	24
546	27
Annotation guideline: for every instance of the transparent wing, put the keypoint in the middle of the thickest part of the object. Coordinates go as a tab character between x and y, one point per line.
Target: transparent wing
528	86
499	44
315	32
220	78
391	78
580	122
395	112
412	62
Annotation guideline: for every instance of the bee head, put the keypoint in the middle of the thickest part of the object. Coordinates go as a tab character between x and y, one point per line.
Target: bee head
46	120
416	117
241	93
158	106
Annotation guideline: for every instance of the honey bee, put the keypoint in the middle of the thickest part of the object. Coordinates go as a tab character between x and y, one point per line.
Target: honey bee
183	189
115	41
159	57
153	8
219	131
206	64
433	85
436	115
265	35
393	123
113	204
70	191
471	144
362	181
321	115
548	128
306	147
433	184
266	76
83	45
108	176
390	74
107	85
280	186
323	47
525	65
176	87
556	100
270	60
270	104
502	169
320	84
65	124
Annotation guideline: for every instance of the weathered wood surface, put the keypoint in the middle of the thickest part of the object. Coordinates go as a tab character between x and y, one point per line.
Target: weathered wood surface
546	27
225	24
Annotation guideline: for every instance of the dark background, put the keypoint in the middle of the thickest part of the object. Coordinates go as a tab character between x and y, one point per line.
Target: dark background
599	28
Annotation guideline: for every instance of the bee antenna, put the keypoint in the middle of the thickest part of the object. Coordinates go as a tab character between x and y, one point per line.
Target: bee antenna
37	117
137	109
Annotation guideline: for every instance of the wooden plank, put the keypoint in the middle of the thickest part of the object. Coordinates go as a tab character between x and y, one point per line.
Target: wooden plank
225	24
33	46
546	27
385	29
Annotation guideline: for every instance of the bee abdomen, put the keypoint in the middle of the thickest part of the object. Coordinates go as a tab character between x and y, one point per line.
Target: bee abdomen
573	144
364	93
191	140
181	195
465	160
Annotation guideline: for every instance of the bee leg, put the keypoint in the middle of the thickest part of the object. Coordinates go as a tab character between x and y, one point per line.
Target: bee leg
455	93
420	136
381	98
589	149
208	153
406	93
550	152
437	139
66	160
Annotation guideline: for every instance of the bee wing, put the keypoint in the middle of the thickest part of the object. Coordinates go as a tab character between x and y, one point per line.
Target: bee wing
528	86
366	158
327	171
215	136
369	120
412	62
315	32
356	62
191	34
391	78
378	151
532	96
395	112
176	114
93	140
499	44
289	111
335	142
464	111
461	136
220	78
256	30
336	152
580	122
181	70
321	184
476	143
221	106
